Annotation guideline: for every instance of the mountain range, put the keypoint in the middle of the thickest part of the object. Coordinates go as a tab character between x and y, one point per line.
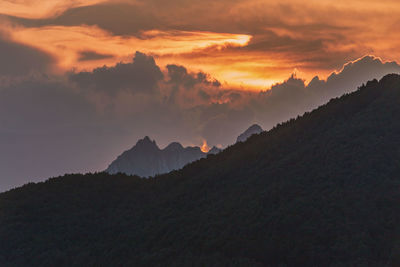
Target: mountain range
319	190
146	159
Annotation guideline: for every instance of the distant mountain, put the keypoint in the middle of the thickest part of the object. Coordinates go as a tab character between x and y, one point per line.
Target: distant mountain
254	129
146	159
214	150
320	190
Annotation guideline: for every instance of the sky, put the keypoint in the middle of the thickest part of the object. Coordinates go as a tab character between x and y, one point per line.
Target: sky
81	81
262	42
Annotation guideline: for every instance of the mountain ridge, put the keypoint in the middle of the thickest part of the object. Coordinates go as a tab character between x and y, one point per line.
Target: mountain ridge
319	190
146	159
154	161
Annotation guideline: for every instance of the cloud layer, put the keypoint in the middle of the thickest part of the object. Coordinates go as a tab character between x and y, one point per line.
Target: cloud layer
261	41
81	121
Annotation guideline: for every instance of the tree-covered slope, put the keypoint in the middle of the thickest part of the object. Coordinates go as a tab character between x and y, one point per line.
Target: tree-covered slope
321	190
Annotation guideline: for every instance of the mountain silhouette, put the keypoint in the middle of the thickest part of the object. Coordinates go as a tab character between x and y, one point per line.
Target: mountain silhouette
146	159
319	190
254	129
214	150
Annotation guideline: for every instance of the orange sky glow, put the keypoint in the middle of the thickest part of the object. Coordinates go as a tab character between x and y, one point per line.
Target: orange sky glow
65	44
248	45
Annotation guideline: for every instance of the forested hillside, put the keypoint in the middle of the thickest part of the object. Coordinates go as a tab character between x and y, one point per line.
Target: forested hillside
320	190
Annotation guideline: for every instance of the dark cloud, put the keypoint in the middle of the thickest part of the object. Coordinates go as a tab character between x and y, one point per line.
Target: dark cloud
269	41
178	75
360	71
53	125
312	38
17	59
204	95
141	75
293	97
92	55
118	18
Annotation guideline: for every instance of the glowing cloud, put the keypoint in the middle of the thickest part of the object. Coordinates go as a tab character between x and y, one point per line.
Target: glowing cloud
68	43
247	44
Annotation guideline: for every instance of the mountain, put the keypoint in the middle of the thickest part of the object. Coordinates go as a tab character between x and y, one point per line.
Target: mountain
319	190
254	129
214	150
146	159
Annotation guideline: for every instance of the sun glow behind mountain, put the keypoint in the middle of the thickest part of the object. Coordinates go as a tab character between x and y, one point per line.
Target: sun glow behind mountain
204	147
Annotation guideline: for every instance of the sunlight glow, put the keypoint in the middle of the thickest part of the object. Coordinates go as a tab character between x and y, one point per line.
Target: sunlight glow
252	81
204	147
234	45
66	43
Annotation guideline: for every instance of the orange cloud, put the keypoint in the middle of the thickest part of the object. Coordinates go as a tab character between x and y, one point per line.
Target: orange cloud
246	43
66	44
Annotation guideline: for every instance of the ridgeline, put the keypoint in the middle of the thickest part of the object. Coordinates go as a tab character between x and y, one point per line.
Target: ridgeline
319	190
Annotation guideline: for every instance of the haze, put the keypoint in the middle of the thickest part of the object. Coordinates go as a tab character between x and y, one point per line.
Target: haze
81	81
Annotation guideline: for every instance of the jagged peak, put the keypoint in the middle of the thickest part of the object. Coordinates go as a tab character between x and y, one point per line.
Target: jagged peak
146	141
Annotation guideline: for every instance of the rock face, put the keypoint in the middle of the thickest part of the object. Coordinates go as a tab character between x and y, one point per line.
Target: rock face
146	159
254	129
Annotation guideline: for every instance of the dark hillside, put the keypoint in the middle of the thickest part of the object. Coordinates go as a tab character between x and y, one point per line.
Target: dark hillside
320	190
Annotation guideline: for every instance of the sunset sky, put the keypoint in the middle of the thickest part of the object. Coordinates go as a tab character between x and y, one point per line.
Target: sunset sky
248	44
82	81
